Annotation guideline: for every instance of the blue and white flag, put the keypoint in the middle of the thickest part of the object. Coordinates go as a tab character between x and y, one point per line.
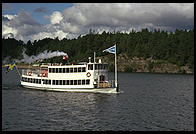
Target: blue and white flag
110	50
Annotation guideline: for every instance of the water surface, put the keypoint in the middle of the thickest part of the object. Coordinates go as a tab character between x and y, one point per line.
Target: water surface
149	102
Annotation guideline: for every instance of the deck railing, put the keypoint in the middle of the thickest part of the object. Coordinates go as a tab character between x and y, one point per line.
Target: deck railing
30	72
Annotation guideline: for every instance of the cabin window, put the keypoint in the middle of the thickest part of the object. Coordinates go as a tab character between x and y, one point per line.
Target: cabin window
96	66
57	70
67	70
105	66
50	70
75	70
90	66
53	82
44	81
87	82
60	82
60	70
83	82
63	70
57	82
67	82
75	82
53	70
100	67
79	69
79	82
83	69
71	82
39	81
71	70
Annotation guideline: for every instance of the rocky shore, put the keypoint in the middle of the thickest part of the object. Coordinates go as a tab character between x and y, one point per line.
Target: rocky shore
139	64
136	64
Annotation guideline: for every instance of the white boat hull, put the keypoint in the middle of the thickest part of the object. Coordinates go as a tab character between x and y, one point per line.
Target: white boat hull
88	90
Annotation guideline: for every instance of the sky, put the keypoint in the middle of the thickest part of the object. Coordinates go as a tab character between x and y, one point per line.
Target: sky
35	21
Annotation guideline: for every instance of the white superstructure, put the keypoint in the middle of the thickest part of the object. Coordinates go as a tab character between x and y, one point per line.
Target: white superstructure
86	77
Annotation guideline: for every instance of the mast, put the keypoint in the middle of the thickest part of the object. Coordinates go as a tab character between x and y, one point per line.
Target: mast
94	57
18	72
116	77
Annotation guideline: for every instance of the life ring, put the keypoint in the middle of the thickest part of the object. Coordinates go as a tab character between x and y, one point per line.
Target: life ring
29	73
88	74
43	75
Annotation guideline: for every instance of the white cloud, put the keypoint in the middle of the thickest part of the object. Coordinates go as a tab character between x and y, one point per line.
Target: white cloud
10	17
7	30
56	17
78	19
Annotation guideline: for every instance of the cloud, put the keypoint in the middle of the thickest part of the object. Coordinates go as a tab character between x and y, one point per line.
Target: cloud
128	15
19	26
56	17
41	10
78	19
4	18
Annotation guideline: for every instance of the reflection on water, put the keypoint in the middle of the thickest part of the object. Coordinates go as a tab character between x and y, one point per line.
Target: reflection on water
148	102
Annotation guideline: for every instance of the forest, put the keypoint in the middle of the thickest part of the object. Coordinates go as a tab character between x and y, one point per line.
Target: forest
174	47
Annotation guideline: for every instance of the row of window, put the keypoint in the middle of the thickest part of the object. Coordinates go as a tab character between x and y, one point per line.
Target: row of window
57	82
97	66
67	70
78	69
71	82
31	80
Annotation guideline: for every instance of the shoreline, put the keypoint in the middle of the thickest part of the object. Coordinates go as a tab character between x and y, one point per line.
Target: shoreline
38	67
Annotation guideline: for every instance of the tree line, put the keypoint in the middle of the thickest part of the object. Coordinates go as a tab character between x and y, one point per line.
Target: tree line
174	47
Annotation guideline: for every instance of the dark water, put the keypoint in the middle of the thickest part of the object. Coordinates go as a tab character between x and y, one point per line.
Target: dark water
149	102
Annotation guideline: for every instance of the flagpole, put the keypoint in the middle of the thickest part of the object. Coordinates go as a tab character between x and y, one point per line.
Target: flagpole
116	79
18	71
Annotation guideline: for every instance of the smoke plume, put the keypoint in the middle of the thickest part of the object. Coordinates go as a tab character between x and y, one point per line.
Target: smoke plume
44	55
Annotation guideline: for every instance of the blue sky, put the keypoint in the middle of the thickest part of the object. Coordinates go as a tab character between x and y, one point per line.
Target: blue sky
14	8
34	21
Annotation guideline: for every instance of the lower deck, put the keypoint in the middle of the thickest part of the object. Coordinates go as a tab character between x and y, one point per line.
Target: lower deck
65	83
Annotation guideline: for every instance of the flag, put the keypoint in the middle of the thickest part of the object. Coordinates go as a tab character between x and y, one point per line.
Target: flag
110	50
12	66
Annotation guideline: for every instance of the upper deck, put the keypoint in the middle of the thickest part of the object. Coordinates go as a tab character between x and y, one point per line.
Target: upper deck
54	71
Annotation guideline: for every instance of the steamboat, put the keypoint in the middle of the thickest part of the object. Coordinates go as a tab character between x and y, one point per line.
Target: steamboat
83	77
